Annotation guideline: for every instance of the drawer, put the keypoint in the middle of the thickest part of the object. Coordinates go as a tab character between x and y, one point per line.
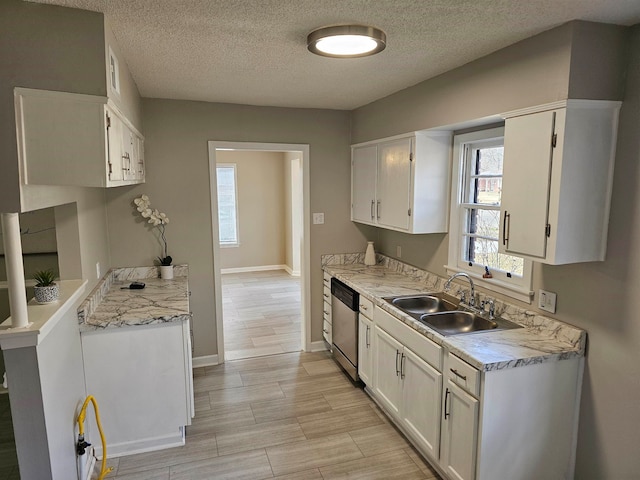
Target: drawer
366	307
327	280
425	348
326	312
326	293
326	332
463	374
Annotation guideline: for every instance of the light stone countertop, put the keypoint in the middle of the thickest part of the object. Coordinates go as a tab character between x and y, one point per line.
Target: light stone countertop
161	301
541	340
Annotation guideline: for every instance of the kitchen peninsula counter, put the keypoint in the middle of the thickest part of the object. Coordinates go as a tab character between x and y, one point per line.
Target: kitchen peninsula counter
136	346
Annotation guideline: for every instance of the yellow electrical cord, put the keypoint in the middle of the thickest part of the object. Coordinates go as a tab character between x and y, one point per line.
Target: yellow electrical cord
83	413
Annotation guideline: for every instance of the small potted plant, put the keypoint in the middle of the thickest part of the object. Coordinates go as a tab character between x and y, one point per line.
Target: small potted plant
46	290
157	220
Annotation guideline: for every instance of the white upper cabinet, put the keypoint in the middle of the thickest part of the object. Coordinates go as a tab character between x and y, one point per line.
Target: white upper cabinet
557	181
73	139
402	183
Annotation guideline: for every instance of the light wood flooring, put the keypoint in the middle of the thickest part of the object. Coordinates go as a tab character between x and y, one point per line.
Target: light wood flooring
288	416
262	314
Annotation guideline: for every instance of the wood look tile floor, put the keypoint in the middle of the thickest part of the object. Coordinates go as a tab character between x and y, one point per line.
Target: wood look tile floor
262	314
287	416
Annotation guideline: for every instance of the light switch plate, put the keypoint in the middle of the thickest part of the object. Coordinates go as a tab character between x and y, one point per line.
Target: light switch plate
318	218
547	301
398	251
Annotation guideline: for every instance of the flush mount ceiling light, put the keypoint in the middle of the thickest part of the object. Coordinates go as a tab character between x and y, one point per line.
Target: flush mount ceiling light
346	41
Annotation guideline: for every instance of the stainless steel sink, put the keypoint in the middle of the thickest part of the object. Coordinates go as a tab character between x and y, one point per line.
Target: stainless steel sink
420	304
441	312
452	323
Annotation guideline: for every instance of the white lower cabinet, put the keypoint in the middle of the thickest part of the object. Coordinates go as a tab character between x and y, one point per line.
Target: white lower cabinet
408	388
459	432
513	423
365	350
421	394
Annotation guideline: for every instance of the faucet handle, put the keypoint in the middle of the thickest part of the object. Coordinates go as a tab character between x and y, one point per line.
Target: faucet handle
463	295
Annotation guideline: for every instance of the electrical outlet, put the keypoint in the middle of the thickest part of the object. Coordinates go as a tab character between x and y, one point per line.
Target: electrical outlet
98	270
318	218
399	251
547	301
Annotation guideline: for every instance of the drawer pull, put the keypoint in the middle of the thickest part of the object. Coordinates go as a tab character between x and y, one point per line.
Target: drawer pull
457	374
326	313
325	331
363	307
325	295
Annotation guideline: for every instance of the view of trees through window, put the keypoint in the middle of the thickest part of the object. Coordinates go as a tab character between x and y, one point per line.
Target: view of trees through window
483	187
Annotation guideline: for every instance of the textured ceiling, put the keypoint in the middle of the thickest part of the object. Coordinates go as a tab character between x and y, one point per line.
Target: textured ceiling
254	52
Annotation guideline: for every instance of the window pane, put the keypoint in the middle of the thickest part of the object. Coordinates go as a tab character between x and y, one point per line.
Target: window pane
485	252
488	190
227	204
483	222
490	162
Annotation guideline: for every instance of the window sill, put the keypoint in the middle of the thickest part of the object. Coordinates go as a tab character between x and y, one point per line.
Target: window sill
229	245
514	291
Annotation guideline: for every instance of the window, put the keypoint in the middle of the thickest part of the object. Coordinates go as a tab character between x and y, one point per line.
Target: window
227	204
475	215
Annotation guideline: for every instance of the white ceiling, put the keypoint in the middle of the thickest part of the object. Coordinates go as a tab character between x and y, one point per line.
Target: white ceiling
254	52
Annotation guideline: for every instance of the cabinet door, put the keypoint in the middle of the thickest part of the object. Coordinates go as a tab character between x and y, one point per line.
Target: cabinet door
128	154
526	181
421	399
365	350
459	433
364	161
387	381
115	129
394	183
140	156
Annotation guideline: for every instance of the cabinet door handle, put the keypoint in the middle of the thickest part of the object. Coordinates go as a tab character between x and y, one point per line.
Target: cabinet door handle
505	239
367	336
402	365
372	206
458	374
397	369
378	210
446	398
325	295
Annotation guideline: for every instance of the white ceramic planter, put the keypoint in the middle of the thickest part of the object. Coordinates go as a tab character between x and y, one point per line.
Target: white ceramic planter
370	255
166	272
46	294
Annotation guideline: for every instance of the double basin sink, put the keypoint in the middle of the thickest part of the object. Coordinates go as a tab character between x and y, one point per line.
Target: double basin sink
442	313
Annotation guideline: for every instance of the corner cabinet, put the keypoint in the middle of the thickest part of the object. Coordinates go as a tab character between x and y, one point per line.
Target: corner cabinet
73	139
402	183
557	181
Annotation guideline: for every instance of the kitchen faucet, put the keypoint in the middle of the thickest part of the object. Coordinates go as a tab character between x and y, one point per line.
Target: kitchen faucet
447	285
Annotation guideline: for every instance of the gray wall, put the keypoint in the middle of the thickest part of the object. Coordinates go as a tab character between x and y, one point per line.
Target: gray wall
45	47
176	151
261	196
600	297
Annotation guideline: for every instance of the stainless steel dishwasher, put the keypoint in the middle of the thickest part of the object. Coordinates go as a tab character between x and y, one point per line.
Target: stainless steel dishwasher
344	314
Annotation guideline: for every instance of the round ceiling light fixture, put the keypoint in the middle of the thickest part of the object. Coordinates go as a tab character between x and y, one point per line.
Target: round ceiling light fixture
346	41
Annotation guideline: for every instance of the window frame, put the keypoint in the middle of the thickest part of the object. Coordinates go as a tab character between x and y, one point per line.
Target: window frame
232	166
515	287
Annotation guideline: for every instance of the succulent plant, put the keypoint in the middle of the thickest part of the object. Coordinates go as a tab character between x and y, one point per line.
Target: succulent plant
44	278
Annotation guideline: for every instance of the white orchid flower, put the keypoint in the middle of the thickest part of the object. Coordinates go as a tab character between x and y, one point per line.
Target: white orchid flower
145	198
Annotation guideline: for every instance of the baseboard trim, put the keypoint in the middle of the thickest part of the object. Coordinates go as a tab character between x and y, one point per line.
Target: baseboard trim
290	271
259	268
319	346
205	361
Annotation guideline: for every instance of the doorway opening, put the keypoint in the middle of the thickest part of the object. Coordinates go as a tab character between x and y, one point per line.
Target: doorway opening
260	228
